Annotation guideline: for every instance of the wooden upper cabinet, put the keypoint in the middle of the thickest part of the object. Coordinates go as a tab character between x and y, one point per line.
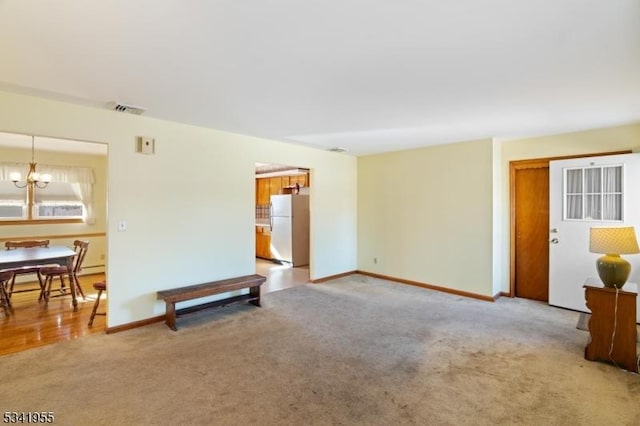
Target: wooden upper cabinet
266	187
301	180
263	191
275	185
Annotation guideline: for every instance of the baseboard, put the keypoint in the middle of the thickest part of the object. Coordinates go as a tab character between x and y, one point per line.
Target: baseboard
502	294
332	277
135	324
430	286
161	318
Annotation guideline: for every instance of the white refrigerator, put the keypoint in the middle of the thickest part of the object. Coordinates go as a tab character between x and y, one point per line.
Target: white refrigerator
289	218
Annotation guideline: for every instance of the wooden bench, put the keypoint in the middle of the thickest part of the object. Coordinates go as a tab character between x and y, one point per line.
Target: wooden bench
175	295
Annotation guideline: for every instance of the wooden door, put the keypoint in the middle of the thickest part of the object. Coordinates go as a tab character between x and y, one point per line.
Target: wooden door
529	230
570	261
532	233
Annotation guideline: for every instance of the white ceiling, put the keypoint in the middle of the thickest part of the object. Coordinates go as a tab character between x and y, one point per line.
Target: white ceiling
366	75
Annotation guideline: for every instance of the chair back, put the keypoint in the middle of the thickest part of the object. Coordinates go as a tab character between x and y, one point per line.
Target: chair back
12	245
81	248
5	276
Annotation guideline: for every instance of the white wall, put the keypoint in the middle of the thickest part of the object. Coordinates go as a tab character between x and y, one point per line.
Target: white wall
427	215
190	207
498	259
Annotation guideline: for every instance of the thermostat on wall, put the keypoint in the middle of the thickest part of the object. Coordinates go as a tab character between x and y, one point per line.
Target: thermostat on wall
145	145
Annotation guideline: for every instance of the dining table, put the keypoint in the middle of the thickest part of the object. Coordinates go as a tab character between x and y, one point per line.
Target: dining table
61	255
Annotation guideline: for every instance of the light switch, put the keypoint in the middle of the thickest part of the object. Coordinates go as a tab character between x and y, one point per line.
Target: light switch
122	225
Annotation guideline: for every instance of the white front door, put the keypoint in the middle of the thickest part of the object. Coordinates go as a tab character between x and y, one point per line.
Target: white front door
586	192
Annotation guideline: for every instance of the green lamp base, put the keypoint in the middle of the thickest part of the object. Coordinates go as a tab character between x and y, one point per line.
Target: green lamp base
613	270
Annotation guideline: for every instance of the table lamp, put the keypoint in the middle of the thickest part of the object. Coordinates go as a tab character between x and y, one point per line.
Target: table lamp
613	241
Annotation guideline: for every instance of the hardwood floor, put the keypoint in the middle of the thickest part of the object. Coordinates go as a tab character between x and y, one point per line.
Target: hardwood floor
280	277
31	324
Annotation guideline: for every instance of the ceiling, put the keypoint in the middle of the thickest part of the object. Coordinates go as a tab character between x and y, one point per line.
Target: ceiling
365	75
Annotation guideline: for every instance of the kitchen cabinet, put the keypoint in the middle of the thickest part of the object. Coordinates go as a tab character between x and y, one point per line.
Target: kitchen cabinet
263	242
275	185
301	180
266	187
263	191
290	181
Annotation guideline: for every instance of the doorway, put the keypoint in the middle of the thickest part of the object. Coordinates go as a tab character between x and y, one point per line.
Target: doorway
58	212
529	226
282	223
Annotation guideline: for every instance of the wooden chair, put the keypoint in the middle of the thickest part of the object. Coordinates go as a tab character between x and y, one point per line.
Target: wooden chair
49	273
26	270
100	286
5	279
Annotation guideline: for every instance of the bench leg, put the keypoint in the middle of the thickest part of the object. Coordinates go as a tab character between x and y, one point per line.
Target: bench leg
170	316
255	291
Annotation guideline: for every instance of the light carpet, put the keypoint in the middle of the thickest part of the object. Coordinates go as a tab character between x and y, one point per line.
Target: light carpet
356	350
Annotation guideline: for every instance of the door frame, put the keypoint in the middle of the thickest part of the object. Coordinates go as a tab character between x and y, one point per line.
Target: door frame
514	167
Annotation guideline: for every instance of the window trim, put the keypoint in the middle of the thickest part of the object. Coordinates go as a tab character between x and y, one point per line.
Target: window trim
39	221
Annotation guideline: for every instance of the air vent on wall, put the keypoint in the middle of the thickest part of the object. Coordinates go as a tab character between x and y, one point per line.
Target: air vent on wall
131	109
337	149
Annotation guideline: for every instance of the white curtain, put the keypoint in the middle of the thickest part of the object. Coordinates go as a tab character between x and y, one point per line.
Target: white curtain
592	207
84	192
81	180
612	193
7	168
574	194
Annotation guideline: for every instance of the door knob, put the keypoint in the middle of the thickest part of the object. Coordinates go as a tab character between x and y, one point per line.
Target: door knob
554	241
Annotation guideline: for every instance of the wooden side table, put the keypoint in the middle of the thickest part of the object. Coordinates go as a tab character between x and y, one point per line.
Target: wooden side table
602	303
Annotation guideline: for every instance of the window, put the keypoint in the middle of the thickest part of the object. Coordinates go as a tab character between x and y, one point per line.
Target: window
57	200
593	193
69	195
13	201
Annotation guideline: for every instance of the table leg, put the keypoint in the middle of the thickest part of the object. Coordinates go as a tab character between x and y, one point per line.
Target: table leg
72	283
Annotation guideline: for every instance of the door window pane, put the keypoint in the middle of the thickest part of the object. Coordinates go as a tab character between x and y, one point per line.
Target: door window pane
612	207
592	180
594	193
574	207
574	181
592	207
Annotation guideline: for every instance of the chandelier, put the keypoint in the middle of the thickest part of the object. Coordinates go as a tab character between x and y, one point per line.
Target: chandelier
33	177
